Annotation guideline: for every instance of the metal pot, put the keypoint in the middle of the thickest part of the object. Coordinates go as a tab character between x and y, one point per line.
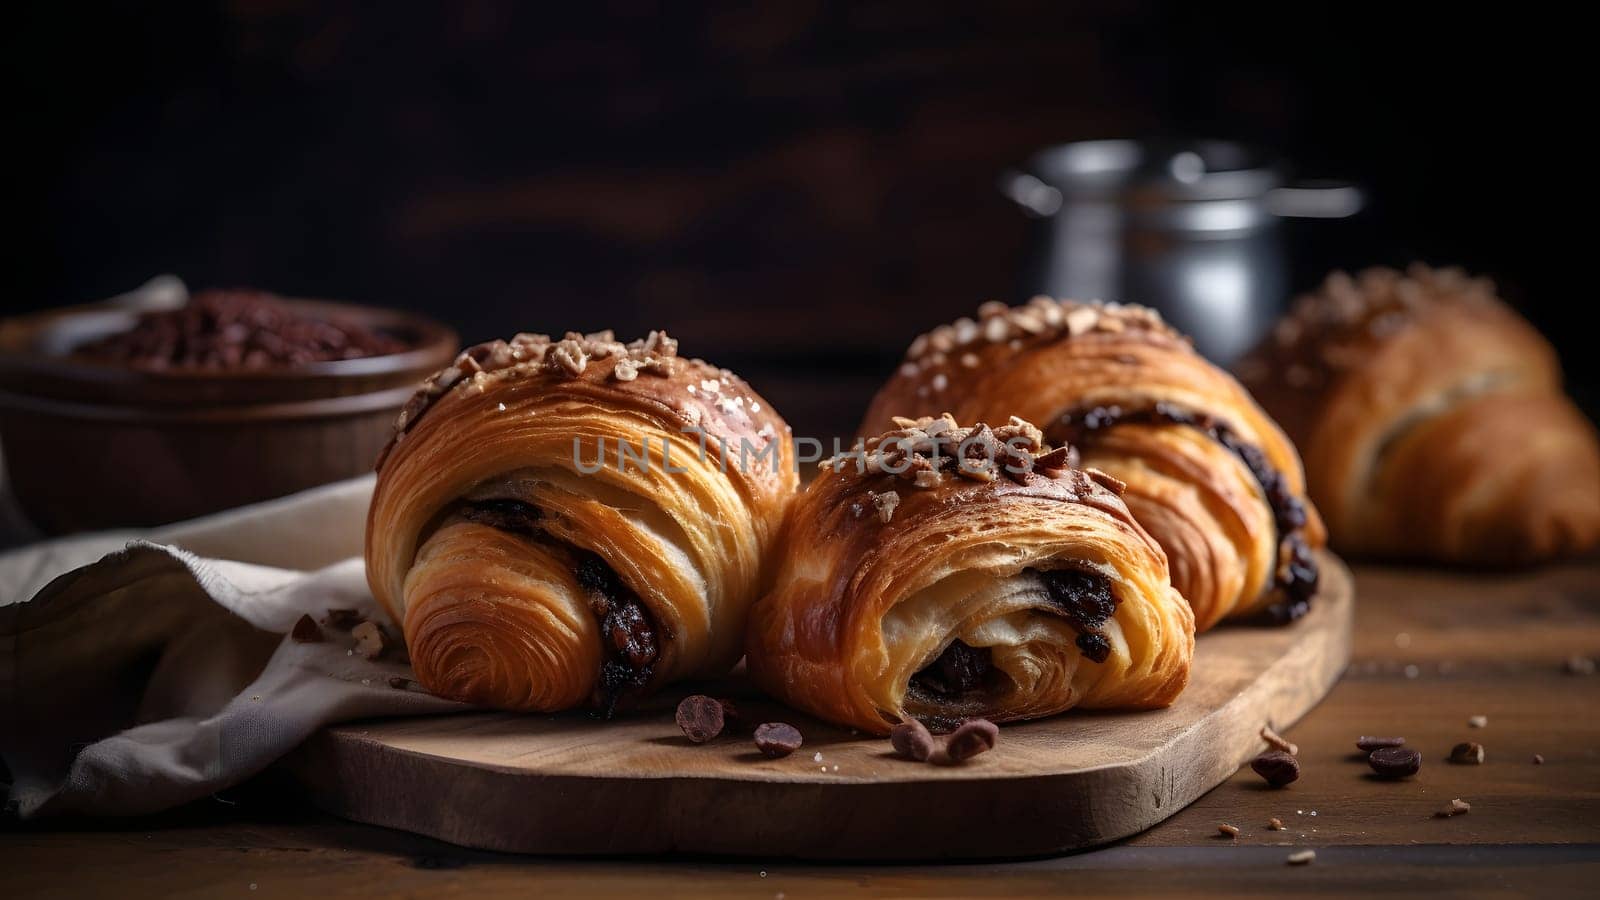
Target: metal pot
1193	229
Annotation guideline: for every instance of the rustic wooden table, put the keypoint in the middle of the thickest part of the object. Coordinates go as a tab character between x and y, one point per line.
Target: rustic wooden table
1431	652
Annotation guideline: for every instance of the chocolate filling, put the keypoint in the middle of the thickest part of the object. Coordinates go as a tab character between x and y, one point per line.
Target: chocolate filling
628	637
1086	601
627	633
506	515
959	669
1083	598
1295	580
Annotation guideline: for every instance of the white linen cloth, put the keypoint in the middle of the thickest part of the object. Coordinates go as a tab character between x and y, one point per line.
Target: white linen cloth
140	671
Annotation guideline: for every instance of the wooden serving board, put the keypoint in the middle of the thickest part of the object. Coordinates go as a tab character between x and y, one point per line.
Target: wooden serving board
573	785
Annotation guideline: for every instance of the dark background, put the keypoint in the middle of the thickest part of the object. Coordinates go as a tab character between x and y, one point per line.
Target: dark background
796	189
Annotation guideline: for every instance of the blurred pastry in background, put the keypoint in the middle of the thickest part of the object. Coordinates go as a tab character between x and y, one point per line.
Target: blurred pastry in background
1431	419
1208	474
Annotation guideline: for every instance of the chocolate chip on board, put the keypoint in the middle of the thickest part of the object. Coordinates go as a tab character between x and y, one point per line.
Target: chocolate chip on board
1276	767
306	631
912	740
700	718
975	736
1368	744
777	739
1395	762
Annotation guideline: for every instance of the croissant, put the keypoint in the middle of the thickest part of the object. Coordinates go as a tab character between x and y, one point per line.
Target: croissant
1208	474
572	522
1432	420
941	573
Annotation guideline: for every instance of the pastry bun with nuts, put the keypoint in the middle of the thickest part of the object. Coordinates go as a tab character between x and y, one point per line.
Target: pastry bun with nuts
944	572
1208	474
575	522
1432	420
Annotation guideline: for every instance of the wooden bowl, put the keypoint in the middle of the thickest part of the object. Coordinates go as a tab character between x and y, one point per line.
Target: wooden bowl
91	445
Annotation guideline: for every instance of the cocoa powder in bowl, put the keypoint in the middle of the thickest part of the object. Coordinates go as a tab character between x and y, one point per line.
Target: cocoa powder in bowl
237	329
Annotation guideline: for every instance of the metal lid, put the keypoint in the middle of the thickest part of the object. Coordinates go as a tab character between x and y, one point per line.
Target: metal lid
1138	173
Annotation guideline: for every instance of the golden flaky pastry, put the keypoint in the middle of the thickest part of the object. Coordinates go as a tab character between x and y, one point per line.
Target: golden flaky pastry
948	572
1432	420
1208	474
532	572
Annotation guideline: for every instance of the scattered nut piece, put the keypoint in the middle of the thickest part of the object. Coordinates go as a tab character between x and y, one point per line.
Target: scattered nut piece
370	642
399	682
777	739
975	736
1457	807
1478	722
1229	830
1275	824
1302	857
912	740
1579	665
1395	762
1277	741
305	631
885	504
1538	759
1276	767
1367	744
700	718
1109	482
1467	753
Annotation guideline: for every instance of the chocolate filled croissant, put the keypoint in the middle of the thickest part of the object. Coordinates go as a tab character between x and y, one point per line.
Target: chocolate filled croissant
943	573
1208	474
1432	420
572	522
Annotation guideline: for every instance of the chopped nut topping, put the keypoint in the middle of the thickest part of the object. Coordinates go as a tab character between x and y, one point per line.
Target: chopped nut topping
885	504
1457	807
1301	857
1228	830
1275	824
1109	482
1080	320
924	451
570	357
655	354
1335	328
1040	319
